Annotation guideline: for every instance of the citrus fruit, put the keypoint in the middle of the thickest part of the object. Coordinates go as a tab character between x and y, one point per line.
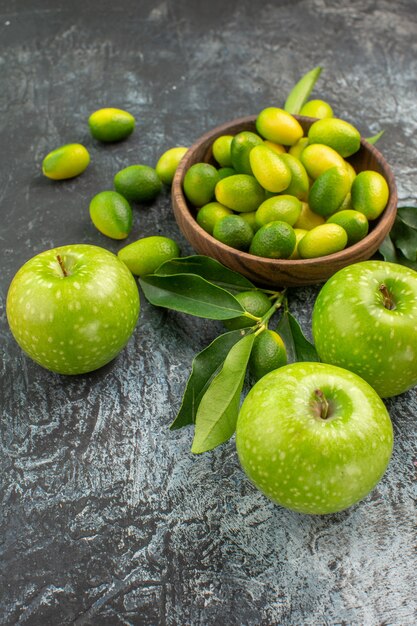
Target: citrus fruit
337	134
355	224
138	183
222	150
233	231
111	214
276	147
322	240
308	219
250	218
283	208
370	193
199	183
299	234
255	302
317	158
317	108
351	171
240	149
224	172
111	124
145	255
210	213
268	353
278	126
300	183
168	162
329	191
240	192
269	169
347	203
298	147
66	162
275	240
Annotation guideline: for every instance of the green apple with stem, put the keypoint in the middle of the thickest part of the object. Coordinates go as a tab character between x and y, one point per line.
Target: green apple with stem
314	438
73	308
365	320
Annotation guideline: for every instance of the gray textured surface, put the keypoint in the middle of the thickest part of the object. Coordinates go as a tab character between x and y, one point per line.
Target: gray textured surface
107	518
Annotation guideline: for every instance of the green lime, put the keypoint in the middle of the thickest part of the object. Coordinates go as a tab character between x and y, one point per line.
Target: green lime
168	162
240	150
370	194
66	162
241	193
278	126
298	147
111	124
318	158
275	240
300	183
199	183
322	240
222	150
299	234
224	172
329	190
283	208
268	354
355	224
276	147
308	219
111	214
269	168
317	108
145	255
250	218
255	302
138	183
337	134
211	213
233	231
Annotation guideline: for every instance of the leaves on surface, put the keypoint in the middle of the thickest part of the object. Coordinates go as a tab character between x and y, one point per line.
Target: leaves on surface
298	347
400	245
300	92
205	366
217	413
372	140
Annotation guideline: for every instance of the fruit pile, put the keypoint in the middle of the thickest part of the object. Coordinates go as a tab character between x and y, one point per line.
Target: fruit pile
281	194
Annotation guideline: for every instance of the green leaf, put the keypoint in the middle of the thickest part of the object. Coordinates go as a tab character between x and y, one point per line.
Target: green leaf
300	92
207	268
387	250
405	239
408	215
298	346
205	366
219	407
375	138
190	294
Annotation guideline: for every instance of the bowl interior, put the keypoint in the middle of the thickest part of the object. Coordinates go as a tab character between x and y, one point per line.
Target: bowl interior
279	272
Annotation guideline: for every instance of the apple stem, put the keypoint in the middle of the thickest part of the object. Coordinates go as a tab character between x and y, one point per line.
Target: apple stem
323	405
61	264
387	300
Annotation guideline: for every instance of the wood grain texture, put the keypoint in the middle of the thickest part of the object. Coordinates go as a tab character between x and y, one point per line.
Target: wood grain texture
282	272
106	517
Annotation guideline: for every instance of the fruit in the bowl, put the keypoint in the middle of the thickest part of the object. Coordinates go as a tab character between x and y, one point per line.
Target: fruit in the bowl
233	231
322	240
313	437
355	224
336	133
365	319
370	194
72	309
275	240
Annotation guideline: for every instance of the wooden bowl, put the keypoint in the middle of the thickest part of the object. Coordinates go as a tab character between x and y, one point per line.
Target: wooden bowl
279	272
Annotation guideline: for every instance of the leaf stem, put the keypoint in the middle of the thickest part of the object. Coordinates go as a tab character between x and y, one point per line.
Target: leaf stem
280	298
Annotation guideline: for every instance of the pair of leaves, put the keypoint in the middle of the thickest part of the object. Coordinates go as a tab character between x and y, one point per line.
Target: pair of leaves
301	91
400	245
196	285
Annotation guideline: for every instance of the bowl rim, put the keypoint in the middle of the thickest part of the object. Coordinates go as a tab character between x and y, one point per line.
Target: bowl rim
180	203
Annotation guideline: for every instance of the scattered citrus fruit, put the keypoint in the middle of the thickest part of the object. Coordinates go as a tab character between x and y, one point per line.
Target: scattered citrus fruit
138	183
66	162
111	214
145	255
111	124
168	162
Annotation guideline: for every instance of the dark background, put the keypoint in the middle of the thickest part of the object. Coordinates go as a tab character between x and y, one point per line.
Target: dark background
107	518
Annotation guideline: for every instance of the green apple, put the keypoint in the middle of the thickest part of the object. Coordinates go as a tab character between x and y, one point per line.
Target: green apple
313	437
365	320
73	308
